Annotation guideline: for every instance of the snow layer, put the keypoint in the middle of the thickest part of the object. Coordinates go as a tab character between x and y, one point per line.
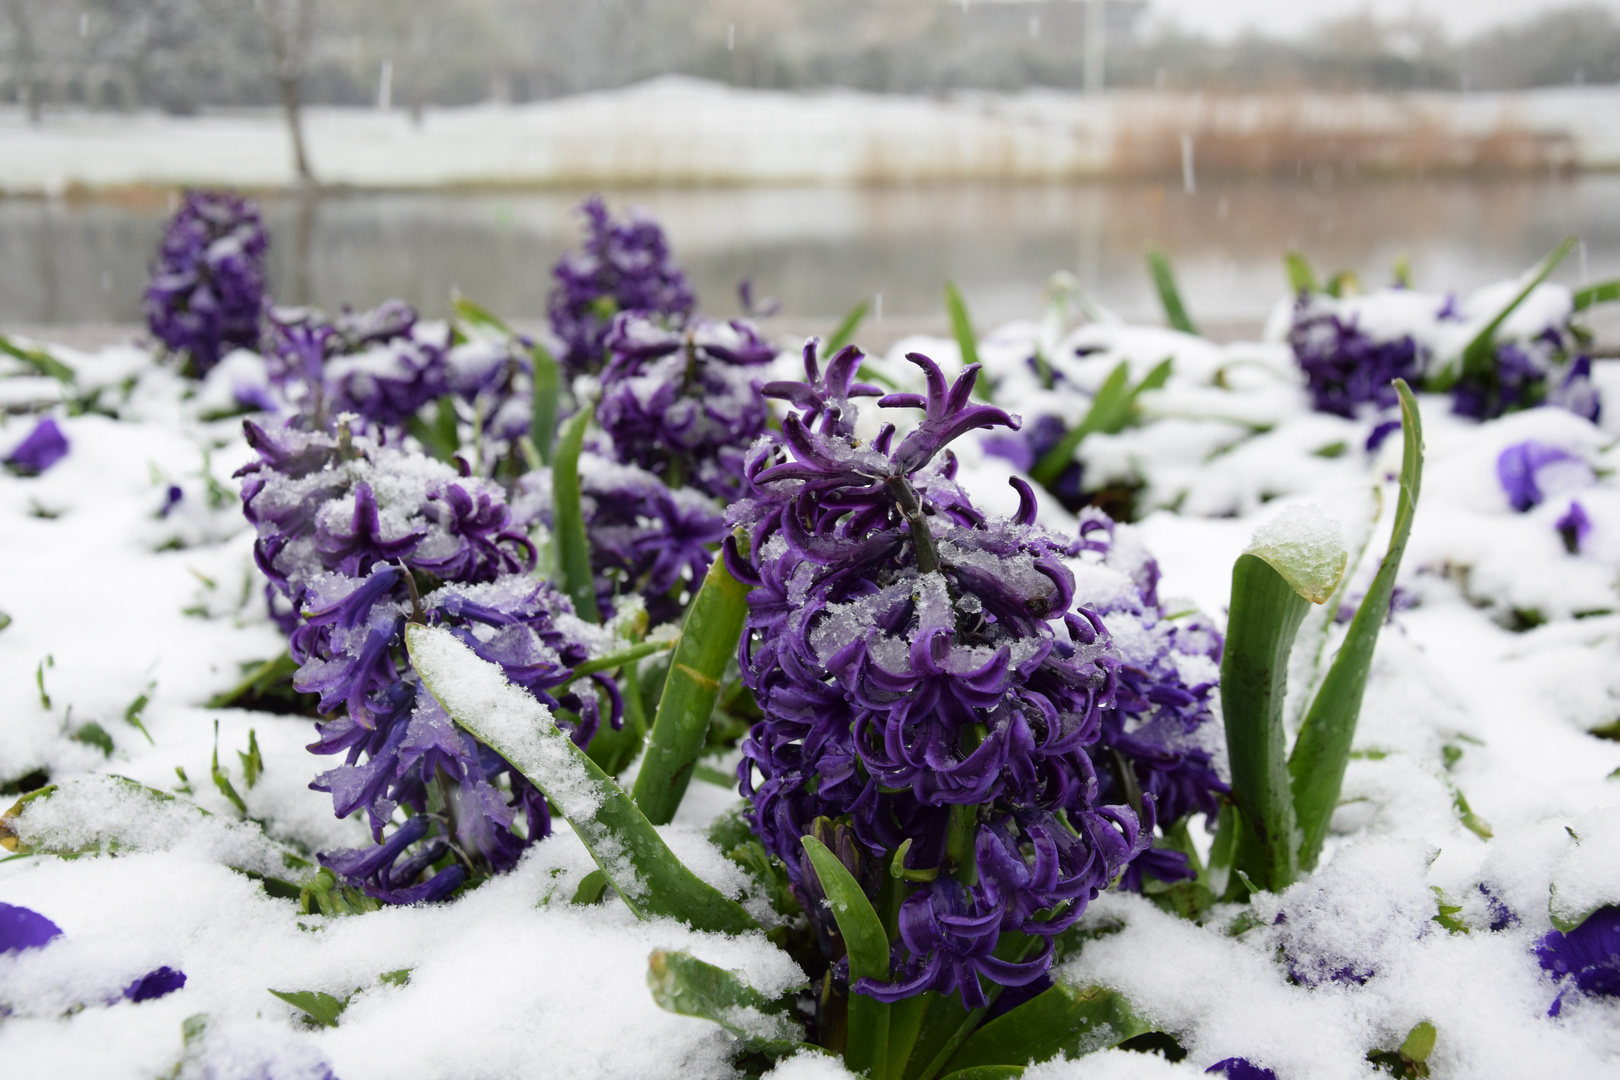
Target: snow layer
1487	686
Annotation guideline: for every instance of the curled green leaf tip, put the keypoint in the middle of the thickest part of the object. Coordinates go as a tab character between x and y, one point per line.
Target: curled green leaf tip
1305	546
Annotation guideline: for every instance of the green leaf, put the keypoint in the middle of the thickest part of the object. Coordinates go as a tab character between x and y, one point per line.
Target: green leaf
591	889
961	325
1062	1020
1601	293
1323	749
1164	280
440	436
987	1072
1479	354
1265	615
1403	272
1419	1042
39	680
621	658
547	389
1112	411
1300	276
222	779
867	1048
1344	283
686	986
93	734
846	329
714	625
252	763
39	360
322	1009
573	550
395	978
259	680
629	851
132	715
1223	852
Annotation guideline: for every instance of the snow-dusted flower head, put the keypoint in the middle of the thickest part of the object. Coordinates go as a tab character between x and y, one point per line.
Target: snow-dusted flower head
1588	957
624	266
645	537
685	404
1350	349
382	365
361	538
925	678
207	287
43	447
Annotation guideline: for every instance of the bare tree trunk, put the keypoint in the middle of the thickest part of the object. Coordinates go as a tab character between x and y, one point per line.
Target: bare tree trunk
289	46
28	76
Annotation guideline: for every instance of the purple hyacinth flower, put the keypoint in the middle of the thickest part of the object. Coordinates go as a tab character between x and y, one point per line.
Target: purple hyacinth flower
1345	368
625	266
22	928
1587	956
207	289
1519	469
1574	527
155	984
44	447
1236	1068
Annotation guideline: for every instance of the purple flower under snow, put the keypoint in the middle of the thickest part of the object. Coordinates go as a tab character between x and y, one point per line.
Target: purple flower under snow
155	984
1527	471
207	289
1236	1068
1587	956
44	447
23	928
1574	527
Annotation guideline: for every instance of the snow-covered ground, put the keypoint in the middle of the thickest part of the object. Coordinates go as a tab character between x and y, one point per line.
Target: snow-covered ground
110	602
676	130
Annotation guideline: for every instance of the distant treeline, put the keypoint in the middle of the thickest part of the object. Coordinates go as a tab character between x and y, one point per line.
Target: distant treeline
181	55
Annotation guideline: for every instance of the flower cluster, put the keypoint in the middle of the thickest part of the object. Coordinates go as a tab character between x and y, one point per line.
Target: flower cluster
926	679
645	537
1351	348
685	404
1160	739
207	288
625	266
361	538
382	365
1587	956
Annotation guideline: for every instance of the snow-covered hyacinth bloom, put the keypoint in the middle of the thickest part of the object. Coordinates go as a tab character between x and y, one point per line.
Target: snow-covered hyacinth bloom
382	365
623	266
927	680
43	447
1350	348
1588	957
1532	470
685	404
207	288
645	537
1161	738
361	538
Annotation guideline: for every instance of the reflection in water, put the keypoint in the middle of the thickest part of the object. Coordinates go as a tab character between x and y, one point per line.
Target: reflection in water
819	250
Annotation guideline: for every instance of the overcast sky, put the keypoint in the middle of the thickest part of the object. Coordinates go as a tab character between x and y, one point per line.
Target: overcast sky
1461	18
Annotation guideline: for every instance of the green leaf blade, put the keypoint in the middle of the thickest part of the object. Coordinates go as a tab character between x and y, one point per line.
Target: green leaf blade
686	986
1266	612
867	1048
629	851
1301	278
1062	1020
1164	281
322	1009
709	637
846	329
1602	293
1322	751
568	520
1478	355
547	381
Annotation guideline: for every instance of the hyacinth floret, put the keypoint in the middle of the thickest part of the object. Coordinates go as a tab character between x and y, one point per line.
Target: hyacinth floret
685	404
207	287
624	266
925	677
382	365
359	539
1344	366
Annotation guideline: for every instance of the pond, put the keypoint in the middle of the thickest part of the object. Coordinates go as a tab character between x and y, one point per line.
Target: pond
820	250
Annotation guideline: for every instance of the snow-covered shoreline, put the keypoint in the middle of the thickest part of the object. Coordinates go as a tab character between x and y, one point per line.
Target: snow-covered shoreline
684	131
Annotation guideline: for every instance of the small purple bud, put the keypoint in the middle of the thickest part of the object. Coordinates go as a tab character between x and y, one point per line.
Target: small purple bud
1574	527
21	928
1236	1068
155	984
44	447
